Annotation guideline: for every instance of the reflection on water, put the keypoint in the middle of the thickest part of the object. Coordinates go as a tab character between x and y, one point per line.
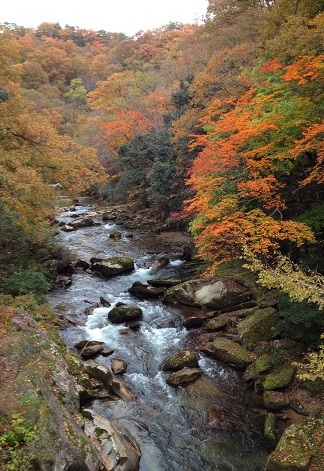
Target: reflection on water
205	426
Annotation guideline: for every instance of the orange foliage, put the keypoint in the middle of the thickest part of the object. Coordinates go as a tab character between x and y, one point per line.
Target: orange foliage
124	126
306	69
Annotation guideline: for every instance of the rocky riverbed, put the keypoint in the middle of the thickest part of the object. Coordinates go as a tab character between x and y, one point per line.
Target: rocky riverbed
193	379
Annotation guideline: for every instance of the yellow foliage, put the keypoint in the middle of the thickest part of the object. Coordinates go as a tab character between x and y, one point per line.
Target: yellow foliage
287	276
313	368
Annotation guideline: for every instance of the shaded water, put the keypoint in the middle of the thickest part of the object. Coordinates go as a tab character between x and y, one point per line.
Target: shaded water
172	425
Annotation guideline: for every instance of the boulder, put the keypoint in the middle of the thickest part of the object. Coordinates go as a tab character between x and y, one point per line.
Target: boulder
300	448
83	264
115	235
193	322
119	447
220	322
104	301
112	266
68	228
215	294
63	281
87	343
124	313
280	377
81	222
229	352
91	351
118	366
258	326
106	352
185	358
142	291
275	400
183	376
159	262
167	283
113	384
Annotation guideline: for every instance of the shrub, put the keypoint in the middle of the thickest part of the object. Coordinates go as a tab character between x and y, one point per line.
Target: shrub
26	281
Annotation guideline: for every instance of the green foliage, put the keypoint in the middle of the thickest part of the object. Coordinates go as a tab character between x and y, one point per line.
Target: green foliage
314	218
4	94
15	445
76	93
148	172
26	281
15	243
299	321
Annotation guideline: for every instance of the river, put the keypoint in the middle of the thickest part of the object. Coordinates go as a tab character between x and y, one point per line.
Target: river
172	425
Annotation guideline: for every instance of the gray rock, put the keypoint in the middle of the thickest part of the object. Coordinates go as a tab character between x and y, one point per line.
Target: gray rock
215	294
184	376
91	351
104	301
120	448
111	382
118	366
141	290
81	222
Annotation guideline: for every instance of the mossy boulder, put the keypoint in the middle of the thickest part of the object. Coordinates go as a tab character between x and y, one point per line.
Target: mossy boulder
258	326
185	358
298	447
270	427
229	352
280	377
275	400
262	364
124	313
220	322
112	266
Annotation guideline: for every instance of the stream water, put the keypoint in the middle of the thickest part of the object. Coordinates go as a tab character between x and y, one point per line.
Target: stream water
172	425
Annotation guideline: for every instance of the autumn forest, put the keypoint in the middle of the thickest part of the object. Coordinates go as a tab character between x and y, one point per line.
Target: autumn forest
215	128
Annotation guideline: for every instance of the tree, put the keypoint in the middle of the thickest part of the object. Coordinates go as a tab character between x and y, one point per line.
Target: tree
249	164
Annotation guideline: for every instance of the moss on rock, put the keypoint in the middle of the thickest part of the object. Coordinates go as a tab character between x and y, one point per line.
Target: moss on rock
258	326
280	377
229	352
185	358
298	447
270	427
275	400
124	313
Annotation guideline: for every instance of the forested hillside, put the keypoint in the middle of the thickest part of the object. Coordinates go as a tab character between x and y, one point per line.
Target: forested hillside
219	125
216	129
